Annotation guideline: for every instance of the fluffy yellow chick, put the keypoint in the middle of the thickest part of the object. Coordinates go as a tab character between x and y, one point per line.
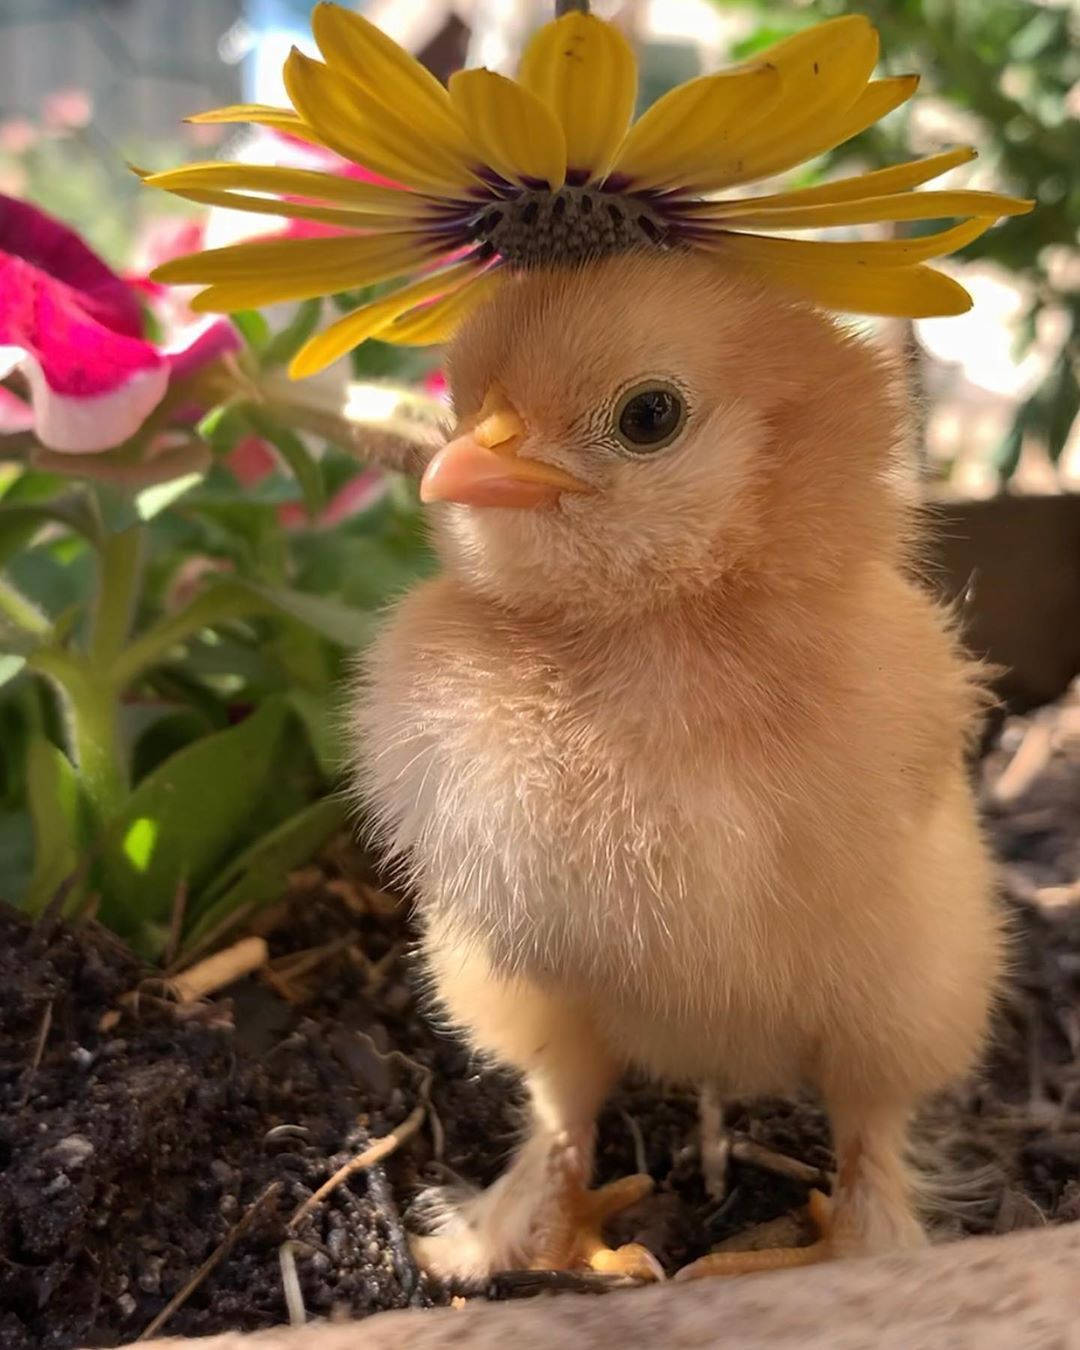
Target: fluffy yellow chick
672	750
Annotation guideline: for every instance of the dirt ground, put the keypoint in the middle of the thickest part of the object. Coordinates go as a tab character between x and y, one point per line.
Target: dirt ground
139	1140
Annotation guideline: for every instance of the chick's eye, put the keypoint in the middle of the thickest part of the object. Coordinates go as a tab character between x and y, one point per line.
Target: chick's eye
649	417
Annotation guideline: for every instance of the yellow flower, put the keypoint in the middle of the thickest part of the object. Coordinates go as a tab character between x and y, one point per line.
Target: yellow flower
498	174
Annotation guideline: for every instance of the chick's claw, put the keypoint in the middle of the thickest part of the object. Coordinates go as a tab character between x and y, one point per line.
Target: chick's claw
772	1258
577	1240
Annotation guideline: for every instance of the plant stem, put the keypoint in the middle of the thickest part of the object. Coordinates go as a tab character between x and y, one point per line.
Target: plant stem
120	559
219	604
91	707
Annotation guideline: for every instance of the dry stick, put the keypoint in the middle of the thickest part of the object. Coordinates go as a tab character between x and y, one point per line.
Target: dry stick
39	1051
291	967
212	1261
438	1135
219	970
176	924
230	921
757	1155
641	1162
290	1284
375	1152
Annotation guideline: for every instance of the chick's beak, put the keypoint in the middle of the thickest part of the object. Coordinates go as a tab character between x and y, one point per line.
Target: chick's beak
482	466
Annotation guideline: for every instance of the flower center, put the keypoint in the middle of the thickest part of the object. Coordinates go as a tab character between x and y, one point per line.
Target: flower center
568	226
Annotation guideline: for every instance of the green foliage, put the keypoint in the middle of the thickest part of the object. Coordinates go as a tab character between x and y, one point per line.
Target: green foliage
172	650
1010	65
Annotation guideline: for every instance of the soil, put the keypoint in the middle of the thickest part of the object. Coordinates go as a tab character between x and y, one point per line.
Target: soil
137	1137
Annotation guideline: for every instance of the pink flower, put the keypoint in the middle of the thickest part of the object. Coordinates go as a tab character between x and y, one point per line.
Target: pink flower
74	330
252	459
66	109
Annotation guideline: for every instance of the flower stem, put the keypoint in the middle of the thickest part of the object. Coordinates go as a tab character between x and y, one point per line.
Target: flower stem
120	564
91	713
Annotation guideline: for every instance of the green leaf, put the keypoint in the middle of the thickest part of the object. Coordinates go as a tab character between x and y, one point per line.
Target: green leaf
294	452
10	666
322	721
16	854
259	875
222	427
349	628
1006	454
151	501
253	328
183	821
283	346
60	819
20	521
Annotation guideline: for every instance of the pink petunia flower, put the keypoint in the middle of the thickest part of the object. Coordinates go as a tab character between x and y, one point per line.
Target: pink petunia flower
74	330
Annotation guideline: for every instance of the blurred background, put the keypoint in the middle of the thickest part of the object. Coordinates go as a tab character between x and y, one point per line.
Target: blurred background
89	86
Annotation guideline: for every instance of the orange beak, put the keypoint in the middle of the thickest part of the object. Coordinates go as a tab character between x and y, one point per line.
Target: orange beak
482	467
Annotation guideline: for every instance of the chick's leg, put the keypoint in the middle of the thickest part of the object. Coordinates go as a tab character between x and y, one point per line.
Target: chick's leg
870	1211
540	1213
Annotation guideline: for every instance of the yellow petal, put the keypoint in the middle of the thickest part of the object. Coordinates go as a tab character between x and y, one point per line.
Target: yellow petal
511	129
685	130
325	187
815	138
274	206
879	183
897	292
357	50
263	272
369	320
438	322
823	72
819	253
584	70
866	211
364	131
258	114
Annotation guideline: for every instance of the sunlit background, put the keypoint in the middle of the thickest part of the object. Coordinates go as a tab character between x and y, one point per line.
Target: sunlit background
90	86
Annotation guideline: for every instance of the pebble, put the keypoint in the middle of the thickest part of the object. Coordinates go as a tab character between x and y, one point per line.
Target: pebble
149	1280
337	1241
72	1151
126	1304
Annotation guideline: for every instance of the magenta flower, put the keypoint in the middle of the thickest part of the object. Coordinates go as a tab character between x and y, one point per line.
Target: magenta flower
74	331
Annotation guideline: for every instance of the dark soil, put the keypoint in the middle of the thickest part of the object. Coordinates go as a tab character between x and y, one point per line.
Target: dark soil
132	1144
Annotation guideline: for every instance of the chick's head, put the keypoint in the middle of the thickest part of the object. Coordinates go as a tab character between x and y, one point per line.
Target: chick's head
653	426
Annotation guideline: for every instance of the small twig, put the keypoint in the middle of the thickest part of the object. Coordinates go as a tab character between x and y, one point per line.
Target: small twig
296	964
232	1237
641	1162
221	969
1031	757
36	1057
715	1142
375	1152
438	1135
290	1284
176	923
210	939
757	1155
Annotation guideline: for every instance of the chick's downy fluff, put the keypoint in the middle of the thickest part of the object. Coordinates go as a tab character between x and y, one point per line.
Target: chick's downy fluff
675	766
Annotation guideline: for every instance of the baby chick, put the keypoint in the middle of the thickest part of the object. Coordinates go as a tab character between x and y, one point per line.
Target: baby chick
672	749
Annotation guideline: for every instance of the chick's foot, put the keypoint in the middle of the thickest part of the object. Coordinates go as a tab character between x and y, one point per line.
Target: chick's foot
772	1258
539	1215
572	1235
